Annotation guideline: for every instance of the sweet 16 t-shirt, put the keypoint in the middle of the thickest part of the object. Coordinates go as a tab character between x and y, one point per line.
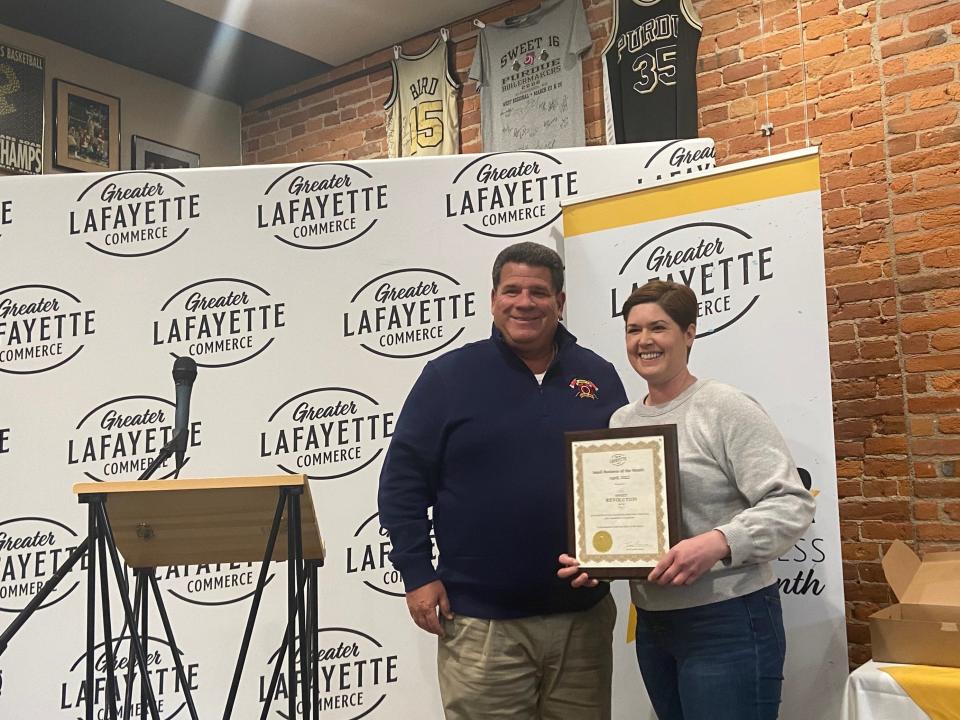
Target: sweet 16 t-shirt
529	74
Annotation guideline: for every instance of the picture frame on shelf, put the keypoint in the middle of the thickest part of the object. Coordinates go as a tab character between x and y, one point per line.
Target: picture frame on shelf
86	128
147	154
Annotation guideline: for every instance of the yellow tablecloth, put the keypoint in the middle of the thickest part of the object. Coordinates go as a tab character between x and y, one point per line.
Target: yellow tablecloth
936	690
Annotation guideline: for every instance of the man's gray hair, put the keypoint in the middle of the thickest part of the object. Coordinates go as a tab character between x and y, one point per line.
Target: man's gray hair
534	254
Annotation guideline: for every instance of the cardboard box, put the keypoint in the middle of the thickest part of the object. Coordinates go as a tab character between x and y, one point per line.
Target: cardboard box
924	628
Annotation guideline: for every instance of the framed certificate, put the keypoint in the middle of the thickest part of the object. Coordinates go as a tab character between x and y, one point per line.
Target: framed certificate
623	502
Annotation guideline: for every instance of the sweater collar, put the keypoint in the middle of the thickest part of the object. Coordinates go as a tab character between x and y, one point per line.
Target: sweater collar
563	338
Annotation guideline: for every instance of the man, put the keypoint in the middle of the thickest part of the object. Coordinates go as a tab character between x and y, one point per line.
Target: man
480	439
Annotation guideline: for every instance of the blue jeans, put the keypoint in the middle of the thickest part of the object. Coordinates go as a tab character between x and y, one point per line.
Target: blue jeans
722	661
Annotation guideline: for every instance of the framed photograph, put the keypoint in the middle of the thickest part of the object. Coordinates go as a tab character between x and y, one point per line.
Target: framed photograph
149	154
86	128
623	502
21	111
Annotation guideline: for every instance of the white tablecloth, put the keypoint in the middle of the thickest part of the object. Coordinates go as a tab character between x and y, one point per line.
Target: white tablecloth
874	695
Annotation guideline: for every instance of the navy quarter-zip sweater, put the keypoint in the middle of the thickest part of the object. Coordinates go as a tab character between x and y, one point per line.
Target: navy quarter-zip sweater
481	441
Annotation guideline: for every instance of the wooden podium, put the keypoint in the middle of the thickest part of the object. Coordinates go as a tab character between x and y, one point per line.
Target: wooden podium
155	523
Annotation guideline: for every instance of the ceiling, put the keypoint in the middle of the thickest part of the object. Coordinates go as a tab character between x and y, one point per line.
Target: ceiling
237	50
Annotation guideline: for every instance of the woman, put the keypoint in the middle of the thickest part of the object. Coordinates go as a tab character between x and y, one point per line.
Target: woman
710	640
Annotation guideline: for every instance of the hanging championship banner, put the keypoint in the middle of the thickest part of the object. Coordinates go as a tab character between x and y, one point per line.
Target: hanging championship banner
748	240
21	111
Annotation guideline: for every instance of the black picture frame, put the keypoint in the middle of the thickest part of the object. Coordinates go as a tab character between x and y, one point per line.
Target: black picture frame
86	128
147	154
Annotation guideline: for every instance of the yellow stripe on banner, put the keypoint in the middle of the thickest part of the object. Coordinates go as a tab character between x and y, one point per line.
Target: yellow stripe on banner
738	187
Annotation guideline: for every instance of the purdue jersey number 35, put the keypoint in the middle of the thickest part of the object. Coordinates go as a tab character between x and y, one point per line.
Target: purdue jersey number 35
421	111
650	78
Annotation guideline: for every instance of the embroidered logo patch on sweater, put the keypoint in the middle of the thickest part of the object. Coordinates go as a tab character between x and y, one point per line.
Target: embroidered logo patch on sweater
584	388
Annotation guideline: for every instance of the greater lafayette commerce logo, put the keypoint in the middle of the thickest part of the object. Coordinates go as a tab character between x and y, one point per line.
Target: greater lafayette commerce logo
219	322
211	585
161	668
327	433
322	206
32	549
133	214
678	158
356	672
506	195
409	313
118	439
723	264
41	328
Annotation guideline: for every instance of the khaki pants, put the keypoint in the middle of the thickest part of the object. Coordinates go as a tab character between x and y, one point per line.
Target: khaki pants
546	667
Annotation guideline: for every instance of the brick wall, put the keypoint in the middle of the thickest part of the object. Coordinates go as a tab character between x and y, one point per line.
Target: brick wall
876	84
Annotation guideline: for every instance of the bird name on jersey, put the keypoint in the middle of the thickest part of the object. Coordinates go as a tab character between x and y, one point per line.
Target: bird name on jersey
426	85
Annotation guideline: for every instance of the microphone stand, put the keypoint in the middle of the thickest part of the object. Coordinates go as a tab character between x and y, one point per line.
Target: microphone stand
165	452
101	533
48	587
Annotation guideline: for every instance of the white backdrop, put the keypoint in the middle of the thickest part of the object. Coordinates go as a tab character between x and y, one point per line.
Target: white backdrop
749	241
296	288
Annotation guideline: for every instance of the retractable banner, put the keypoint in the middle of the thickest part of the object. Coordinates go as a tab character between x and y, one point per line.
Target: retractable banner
748	239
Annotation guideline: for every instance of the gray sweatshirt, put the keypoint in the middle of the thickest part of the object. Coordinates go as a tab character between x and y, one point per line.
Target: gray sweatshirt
736	476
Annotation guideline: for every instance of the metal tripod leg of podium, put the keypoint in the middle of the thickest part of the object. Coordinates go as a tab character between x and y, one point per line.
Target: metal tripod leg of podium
101	537
289	496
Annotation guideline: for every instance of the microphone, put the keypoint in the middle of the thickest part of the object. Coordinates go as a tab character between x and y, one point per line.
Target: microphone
184	373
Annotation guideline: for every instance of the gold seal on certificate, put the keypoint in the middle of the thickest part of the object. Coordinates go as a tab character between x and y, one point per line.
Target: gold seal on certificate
623	500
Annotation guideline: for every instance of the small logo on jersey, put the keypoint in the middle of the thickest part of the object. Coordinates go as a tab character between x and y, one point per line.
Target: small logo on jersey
584	388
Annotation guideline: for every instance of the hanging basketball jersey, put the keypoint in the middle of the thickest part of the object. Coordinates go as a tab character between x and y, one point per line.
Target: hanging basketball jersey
421	111
650	71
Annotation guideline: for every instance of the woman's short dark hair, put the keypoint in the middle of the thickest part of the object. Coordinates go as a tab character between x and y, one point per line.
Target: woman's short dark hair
677	300
533	254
